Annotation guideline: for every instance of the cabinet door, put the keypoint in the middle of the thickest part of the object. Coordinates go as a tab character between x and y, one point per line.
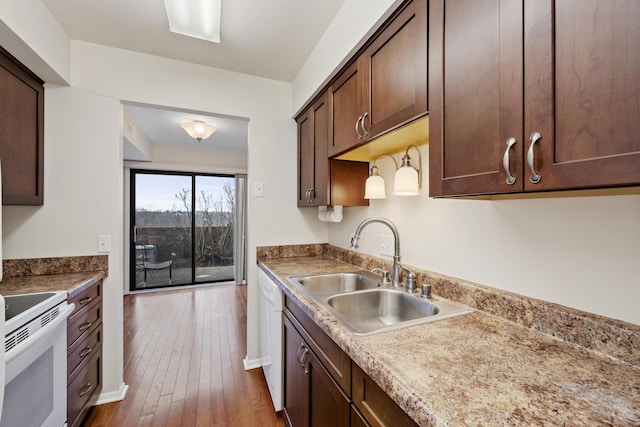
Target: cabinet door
374	404
296	377
328	405
582	70
395	84
346	110
313	164
475	96
21	133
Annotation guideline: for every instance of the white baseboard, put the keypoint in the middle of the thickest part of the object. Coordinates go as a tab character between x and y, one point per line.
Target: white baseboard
113	396
251	364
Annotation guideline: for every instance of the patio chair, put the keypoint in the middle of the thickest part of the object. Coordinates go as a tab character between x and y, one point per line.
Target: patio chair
152	266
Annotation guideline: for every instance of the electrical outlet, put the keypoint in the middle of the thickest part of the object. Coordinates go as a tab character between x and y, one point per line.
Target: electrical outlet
386	245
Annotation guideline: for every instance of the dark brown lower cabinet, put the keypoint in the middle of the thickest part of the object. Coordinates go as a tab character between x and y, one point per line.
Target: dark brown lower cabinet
312	397
374	404
84	353
323	386
357	420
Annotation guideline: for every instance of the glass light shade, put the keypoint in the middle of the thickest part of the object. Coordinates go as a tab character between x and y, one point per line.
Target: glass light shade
199	130
406	182
374	188
195	18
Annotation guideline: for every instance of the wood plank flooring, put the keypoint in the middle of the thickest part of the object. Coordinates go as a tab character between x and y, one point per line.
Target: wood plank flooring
183	354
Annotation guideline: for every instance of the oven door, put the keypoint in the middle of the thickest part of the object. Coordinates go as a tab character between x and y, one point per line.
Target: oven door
35	392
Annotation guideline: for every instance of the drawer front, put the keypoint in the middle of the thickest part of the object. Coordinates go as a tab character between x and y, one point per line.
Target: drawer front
83	324
336	361
375	405
83	351
85	299
82	388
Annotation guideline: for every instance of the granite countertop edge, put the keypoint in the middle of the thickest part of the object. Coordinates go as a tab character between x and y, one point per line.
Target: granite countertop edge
72	283
437	408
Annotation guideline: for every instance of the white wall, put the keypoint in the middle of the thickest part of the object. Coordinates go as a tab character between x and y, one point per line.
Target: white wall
580	252
82	199
31	34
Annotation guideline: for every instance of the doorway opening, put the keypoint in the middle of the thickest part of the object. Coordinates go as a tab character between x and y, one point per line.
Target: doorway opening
185	229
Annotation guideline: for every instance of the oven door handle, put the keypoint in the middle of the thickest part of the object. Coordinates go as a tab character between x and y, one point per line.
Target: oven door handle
18	350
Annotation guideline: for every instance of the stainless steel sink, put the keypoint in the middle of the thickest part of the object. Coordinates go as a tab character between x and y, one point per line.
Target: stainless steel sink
337	283
380	310
363	307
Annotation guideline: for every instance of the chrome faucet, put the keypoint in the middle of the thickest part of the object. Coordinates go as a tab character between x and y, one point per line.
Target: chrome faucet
396	272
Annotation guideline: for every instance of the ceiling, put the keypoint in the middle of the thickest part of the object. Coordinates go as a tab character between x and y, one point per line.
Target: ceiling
270	39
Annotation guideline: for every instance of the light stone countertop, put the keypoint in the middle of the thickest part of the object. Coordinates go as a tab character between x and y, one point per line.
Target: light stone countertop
478	369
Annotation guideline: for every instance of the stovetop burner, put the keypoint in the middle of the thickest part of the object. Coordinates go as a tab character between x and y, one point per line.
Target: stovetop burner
21	309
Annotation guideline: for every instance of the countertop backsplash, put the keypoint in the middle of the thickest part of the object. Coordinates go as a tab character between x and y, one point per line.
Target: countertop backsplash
55	265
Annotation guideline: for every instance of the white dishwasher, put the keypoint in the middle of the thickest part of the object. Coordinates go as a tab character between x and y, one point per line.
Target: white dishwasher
271	302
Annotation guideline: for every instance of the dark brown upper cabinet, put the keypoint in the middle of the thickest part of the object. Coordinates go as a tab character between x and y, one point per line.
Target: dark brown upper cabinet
533	96
386	86
323	181
313	163
21	133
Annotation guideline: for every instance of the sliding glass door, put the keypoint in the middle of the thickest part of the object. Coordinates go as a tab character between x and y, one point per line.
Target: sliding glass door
182	228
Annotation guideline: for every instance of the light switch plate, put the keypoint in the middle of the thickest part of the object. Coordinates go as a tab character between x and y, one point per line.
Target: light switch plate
258	189
104	244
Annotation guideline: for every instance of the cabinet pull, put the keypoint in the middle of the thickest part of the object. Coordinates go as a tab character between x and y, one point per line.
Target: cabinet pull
86	389
85	326
357	131
85	351
86	300
505	161
303	361
362	124
298	356
535	177
311	195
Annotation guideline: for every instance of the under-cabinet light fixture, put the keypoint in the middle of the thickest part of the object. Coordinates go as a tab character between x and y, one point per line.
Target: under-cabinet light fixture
198	129
374	187
408	179
195	18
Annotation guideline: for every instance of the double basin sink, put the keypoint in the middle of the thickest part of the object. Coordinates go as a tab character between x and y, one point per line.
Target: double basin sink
365	307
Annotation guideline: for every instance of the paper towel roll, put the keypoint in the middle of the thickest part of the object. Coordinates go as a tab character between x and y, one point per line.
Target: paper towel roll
330	215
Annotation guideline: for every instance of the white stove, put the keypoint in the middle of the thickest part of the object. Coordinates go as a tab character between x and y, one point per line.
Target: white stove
35	384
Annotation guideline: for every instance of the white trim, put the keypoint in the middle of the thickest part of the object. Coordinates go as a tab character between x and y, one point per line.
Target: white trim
252	364
112	396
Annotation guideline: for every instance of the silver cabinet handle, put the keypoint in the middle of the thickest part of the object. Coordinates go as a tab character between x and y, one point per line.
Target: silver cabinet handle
535	176
312	193
362	124
86	389
304	359
298	355
505	161
85	351
357	131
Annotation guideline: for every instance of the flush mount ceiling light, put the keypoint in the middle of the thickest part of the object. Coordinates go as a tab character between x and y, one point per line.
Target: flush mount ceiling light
408	180
374	186
198	129
195	18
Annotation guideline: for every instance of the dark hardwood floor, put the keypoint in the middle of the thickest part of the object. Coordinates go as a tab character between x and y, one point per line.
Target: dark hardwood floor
183	354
